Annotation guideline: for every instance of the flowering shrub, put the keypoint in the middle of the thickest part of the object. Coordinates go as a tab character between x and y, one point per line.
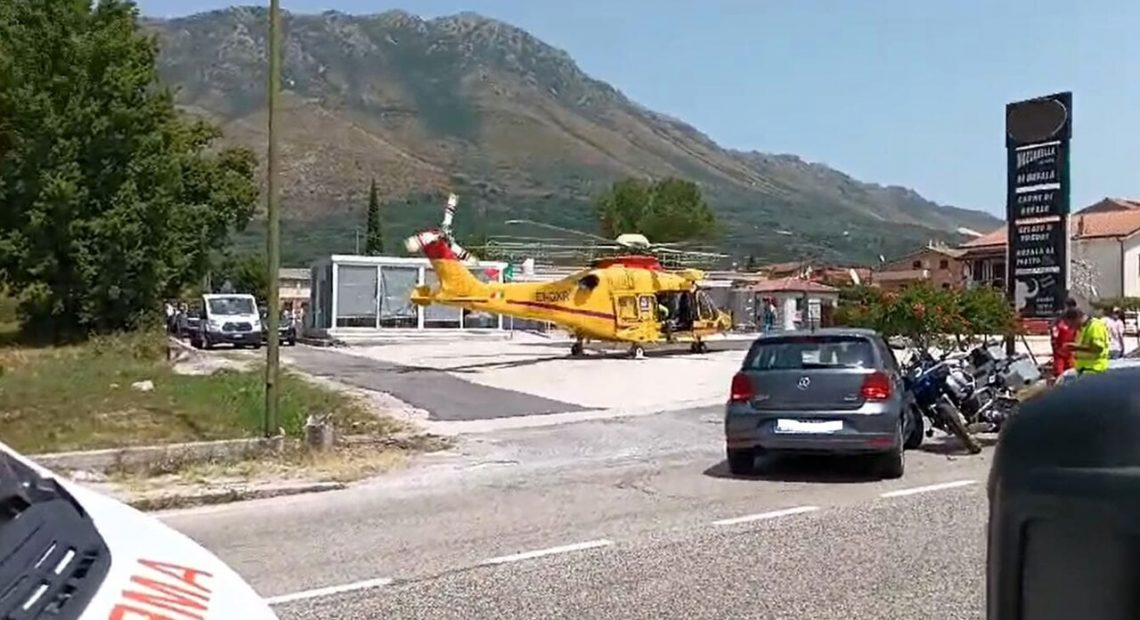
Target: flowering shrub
924	314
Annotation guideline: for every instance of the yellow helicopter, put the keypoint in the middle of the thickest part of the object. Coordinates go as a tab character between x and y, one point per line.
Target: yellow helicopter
629	299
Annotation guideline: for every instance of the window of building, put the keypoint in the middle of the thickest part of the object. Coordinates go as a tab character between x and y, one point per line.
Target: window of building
944	264
945	286
916	265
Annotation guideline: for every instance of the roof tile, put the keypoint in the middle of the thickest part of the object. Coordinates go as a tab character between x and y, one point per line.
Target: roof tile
1097	225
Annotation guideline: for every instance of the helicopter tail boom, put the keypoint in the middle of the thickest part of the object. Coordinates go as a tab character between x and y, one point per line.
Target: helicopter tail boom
456	282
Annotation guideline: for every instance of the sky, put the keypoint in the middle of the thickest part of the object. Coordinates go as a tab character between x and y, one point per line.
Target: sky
897	92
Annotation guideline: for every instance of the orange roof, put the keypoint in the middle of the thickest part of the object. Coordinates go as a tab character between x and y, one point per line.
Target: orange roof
1096	225
1112	204
790	285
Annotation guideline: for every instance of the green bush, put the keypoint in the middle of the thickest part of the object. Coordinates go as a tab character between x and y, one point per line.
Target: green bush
926	315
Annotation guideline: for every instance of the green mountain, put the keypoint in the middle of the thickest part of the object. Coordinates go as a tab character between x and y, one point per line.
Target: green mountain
469	104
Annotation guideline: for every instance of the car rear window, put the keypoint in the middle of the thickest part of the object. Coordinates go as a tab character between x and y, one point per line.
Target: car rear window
802	353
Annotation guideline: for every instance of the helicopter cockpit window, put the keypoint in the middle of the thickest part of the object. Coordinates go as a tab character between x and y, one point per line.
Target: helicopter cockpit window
588	283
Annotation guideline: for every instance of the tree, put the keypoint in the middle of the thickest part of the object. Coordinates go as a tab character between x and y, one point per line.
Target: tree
111	200
664	211
247	273
374	240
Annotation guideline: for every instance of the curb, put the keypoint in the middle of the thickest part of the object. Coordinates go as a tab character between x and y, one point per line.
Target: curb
102	460
174	501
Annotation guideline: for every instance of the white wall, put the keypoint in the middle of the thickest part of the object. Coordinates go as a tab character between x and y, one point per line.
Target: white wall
1132	267
1103	257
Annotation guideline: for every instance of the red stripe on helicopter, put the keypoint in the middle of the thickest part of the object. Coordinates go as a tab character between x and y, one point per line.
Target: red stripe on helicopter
439	250
556	308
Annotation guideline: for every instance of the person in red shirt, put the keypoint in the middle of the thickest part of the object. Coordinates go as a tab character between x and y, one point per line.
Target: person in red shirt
1061	335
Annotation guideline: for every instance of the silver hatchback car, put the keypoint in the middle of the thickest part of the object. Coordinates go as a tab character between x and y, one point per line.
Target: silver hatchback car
831	391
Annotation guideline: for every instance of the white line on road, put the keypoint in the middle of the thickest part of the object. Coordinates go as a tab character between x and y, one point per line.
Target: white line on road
329	591
582	546
763	516
928	489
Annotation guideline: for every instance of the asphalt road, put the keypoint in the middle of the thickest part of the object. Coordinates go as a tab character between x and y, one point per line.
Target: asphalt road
619	518
444	395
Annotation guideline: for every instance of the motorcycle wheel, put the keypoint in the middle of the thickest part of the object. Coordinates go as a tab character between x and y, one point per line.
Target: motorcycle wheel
917	431
957	426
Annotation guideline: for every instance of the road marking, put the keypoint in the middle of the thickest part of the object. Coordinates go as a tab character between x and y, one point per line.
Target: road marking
928	489
329	591
582	546
764	516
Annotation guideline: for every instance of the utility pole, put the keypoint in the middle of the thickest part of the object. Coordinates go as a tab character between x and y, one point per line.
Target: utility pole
273	239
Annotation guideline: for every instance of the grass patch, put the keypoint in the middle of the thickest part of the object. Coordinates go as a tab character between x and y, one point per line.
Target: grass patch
81	397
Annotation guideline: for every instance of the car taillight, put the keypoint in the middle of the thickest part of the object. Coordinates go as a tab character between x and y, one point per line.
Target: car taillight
877	386
741	388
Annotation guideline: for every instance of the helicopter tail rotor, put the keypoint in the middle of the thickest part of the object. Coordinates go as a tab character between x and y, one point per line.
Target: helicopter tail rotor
420	241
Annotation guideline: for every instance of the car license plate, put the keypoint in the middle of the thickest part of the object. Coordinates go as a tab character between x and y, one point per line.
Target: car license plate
809	426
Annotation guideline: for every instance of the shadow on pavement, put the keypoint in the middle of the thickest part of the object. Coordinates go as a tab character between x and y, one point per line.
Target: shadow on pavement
950	446
795	468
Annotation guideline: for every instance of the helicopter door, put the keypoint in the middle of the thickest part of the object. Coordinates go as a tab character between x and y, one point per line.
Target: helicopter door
706	311
627	313
647	307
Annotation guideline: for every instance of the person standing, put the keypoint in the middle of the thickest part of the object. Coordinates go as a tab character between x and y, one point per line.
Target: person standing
1090	351
769	316
1061	336
1115	323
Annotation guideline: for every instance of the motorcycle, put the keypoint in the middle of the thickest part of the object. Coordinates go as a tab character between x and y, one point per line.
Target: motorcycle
967	392
985	385
936	395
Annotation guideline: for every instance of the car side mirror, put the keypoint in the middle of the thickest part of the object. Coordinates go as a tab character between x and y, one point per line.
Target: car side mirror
1064	495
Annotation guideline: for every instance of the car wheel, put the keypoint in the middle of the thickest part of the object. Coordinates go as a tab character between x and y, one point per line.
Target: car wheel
917	429
741	462
893	464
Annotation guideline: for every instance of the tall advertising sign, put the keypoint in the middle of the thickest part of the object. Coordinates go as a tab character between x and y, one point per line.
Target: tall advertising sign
1037	134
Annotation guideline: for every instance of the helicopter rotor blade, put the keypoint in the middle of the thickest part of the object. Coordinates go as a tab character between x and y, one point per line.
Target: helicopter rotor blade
449	211
461	253
559	229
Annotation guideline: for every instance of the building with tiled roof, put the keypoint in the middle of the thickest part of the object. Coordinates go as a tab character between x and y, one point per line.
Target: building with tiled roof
937	263
1105	237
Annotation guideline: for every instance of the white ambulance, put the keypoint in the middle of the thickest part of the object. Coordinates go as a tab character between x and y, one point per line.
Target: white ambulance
67	552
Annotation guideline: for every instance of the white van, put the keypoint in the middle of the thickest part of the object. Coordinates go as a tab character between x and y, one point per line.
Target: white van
68	552
228	319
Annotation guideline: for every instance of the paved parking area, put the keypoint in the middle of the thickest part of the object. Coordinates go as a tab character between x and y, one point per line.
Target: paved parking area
444	396
664	379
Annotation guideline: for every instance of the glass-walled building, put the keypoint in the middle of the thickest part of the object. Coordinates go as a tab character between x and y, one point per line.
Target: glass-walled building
361	293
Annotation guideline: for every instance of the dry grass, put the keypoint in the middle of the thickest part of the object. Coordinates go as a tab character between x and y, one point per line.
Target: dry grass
343	464
80	397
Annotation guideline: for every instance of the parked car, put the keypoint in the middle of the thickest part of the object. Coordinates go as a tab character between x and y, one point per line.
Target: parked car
1129	360
228	319
829	391
286	328
69	552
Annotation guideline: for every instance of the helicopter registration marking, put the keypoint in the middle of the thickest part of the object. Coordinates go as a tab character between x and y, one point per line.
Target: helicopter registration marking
552	296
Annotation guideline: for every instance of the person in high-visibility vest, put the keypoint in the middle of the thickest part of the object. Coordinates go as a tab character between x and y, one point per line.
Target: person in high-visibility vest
1090	351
